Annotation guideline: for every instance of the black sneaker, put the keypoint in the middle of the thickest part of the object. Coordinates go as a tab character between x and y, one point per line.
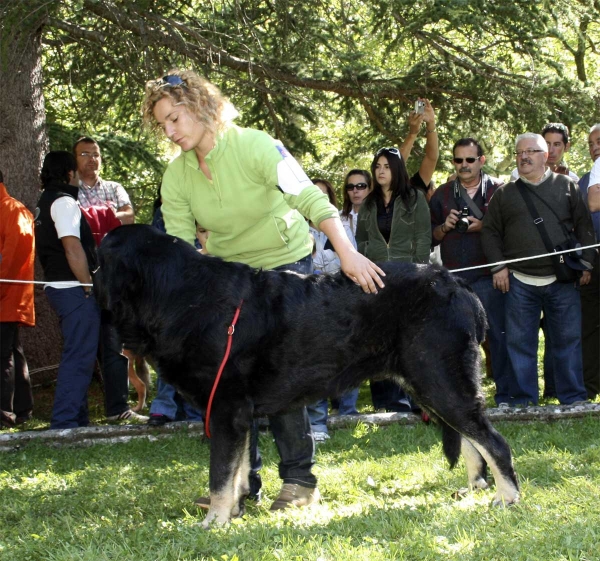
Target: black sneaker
157	420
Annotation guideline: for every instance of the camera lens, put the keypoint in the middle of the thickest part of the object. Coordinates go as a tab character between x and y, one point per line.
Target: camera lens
462	225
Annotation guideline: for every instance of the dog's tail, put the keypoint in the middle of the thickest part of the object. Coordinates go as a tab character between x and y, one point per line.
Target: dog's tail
451	442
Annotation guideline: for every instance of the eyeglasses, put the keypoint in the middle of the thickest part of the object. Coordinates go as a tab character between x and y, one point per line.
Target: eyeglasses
528	152
393	151
90	155
171	81
352	186
470	160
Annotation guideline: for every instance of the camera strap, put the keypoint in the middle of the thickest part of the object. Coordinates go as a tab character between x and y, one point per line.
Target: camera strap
460	193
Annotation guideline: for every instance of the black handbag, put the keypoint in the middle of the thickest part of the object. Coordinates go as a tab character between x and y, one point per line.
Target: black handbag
567	266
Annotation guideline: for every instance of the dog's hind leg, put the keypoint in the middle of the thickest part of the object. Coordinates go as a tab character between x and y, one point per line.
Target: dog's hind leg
481	444
457	403
495	451
476	465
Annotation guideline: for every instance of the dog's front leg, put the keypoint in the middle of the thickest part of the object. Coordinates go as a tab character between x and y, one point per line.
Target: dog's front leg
228	479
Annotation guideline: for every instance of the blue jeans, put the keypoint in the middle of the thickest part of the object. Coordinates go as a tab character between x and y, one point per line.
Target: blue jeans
560	303
291	430
171	404
494	303
80	325
318	412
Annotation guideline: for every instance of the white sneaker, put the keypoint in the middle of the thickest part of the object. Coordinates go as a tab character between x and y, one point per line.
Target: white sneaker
129	415
320	436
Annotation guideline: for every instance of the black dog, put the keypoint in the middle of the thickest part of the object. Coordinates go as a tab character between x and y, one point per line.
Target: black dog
299	339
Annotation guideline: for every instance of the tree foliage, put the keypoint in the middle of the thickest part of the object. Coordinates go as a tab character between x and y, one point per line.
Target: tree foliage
333	79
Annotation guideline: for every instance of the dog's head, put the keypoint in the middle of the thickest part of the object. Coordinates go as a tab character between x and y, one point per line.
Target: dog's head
138	266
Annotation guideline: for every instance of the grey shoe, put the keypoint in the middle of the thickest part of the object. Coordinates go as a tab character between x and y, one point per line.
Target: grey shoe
292	494
129	415
320	436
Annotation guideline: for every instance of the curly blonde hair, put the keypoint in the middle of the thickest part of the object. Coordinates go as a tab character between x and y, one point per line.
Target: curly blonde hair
199	96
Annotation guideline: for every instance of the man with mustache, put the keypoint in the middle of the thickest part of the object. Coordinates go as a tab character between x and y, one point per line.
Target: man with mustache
460	248
557	137
509	232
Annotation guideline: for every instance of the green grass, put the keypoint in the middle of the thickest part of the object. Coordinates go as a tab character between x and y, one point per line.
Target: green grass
387	494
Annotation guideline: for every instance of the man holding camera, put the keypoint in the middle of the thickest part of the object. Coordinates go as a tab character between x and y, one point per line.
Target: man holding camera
523	218
457	211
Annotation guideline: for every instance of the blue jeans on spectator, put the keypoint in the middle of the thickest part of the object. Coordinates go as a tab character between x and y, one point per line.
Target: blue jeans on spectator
494	302
318	412
80	325
560	303
170	403
291	430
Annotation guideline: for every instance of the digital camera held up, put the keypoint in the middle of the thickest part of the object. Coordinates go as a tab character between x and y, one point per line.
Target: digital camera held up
462	225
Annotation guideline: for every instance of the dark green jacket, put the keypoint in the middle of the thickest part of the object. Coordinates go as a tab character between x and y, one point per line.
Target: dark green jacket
410	238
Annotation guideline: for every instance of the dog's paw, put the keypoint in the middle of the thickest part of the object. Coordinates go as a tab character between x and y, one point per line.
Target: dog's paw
501	501
478	484
214	519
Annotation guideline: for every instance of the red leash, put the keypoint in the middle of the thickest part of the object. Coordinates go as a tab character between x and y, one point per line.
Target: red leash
230	332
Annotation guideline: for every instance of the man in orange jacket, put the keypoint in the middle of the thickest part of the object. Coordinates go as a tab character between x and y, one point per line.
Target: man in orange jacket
17	254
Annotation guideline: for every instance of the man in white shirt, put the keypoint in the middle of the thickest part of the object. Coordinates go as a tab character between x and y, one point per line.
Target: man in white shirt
97	192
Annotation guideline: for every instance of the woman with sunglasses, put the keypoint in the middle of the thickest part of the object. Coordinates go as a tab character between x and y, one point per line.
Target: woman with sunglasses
357	185
393	225
246	188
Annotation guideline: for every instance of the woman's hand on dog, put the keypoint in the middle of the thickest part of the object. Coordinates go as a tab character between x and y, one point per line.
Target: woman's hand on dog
362	271
354	265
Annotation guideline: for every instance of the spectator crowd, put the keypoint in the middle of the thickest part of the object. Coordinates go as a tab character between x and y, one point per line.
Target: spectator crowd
228	192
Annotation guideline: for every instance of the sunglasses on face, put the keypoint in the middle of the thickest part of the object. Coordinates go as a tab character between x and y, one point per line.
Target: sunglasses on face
461	160
359	186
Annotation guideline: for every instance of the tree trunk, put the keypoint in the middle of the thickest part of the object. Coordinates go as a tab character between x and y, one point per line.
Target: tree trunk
23	144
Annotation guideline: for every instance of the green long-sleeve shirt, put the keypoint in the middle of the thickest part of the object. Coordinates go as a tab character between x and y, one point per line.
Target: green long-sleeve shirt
254	206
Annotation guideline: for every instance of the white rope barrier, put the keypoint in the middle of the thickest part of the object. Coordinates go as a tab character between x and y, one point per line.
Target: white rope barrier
523	259
508	262
69	284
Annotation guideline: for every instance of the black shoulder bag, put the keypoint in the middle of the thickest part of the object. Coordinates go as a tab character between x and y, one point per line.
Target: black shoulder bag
567	266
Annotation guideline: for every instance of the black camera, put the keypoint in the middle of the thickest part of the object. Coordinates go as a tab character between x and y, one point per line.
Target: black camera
462	225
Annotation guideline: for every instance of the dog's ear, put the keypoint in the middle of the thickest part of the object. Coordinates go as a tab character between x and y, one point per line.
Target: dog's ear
118	278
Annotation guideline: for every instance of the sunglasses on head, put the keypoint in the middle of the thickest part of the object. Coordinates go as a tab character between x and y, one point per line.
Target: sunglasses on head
171	81
461	160
352	186
393	151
